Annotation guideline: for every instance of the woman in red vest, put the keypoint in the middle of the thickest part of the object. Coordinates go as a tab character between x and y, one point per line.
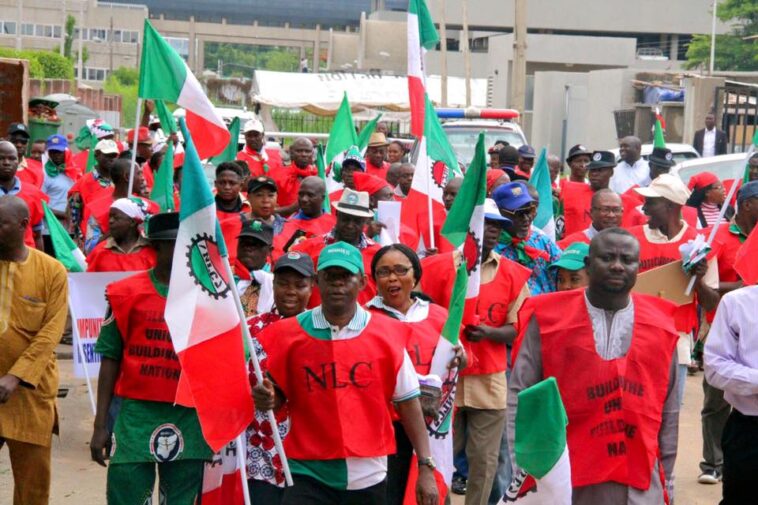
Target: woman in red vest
396	269
125	249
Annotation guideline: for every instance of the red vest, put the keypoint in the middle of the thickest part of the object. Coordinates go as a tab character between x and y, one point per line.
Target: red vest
311	227
288	182
338	391
577	199
149	367
579	236
100	208
255	162
657	255
313	247
102	259
89	188
614	407
33	198
380	172
231	226
32	172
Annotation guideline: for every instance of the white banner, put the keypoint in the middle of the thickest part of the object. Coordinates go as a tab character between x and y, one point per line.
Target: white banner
88	305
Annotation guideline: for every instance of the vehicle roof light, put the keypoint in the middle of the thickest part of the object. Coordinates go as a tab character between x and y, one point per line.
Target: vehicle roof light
475	113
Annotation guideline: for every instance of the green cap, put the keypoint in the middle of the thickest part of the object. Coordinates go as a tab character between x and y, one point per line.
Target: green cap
343	255
573	257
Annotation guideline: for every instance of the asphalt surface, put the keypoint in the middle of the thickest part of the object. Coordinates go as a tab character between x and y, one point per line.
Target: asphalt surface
77	480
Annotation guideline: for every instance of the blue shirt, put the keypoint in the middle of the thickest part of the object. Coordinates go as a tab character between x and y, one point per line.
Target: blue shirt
542	280
56	188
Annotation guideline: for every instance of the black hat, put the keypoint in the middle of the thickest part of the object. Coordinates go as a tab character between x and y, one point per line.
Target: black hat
662	156
163	226
18	128
299	262
602	159
259	182
257	229
578	150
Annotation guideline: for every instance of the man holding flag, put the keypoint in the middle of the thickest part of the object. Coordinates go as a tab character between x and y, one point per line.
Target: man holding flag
140	365
612	354
338	367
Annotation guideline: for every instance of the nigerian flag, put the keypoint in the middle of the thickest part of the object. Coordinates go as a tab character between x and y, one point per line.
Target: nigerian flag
366	132
540	179
658	138
230	152
163	186
321	166
65	249
542	458
342	137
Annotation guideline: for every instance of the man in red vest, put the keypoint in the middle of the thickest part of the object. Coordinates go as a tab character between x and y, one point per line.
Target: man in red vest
258	159
376	154
11	184
606	211
140	366
337	368
612	354
660	240
310	220
29	170
481	389
289	178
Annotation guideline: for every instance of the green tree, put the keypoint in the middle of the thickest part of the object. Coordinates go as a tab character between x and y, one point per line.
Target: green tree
733	52
42	64
124	81
68	38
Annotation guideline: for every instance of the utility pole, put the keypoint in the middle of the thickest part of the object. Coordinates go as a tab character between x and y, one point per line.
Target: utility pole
713	38
518	70
443	52
466	53
19	25
63	29
111	44
79	58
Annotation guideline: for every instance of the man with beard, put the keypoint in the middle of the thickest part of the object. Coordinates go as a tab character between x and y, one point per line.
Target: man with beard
310	220
289	178
612	353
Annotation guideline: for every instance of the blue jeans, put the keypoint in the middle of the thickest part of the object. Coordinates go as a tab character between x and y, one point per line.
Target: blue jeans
681	378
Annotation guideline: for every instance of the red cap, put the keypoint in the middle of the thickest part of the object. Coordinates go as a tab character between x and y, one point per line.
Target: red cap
493	175
142	138
702	180
369	183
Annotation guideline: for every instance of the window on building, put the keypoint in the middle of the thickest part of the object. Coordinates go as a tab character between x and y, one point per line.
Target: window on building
93	73
131	37
27	29
8	27
57	32
98	34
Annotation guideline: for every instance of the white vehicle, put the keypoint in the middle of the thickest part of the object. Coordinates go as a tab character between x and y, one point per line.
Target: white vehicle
680	152
463	126
725	167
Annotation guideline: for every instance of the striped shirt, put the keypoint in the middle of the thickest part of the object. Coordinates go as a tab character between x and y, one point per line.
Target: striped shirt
710	212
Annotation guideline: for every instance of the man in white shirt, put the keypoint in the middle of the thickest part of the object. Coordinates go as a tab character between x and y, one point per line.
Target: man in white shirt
632	170
710	141
731	364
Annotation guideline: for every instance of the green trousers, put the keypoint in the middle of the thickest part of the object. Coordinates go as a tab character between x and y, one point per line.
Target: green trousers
179	482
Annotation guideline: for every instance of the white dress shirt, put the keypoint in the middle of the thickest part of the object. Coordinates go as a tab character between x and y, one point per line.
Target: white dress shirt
731	350
625	176
709	142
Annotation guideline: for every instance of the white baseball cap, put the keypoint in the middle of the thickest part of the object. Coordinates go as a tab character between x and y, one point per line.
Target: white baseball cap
666	186
107	146
254	125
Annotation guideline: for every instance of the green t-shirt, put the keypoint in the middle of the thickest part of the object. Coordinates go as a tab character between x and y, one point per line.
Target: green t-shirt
148	431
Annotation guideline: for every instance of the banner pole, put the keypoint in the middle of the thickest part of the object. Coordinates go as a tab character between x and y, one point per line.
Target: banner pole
258	373
134	147
80	351
241	462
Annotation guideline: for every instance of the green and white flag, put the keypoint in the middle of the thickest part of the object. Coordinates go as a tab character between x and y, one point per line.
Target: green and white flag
163	187
230	152
543	475
366	132
540	179
341	137
321	166
65	249
658	139
168	123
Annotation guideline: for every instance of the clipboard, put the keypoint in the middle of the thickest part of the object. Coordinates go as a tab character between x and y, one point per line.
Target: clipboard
668	281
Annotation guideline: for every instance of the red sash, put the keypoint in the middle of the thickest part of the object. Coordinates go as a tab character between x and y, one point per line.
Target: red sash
614	407
149	368
338	390
577	199
311	227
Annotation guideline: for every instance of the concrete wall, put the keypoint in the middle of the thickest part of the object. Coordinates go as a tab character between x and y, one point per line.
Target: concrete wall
700	95
550	106
641	16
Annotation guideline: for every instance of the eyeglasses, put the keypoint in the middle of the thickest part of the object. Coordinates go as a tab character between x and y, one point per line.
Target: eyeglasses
522	213
609	210
398	270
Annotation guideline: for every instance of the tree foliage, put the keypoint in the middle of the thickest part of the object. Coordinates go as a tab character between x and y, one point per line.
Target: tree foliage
239	60
42	64
732	51
68	37
124	81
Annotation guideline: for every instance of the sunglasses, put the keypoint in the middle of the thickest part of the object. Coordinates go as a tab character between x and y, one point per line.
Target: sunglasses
522	213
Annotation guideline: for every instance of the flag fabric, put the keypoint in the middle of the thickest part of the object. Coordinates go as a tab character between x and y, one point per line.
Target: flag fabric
168	123
660	125
540	179
165	76
542	458
422	36
342	137
222	480
436	164
321	166
230	152
366	132
65	249
163	184
745	262
202	315
464	228
751	150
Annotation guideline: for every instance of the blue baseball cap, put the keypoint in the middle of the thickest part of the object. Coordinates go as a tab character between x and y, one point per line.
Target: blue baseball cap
749	190
527	151
56	142
512	196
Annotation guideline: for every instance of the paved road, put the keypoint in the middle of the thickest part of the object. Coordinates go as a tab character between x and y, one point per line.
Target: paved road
77	480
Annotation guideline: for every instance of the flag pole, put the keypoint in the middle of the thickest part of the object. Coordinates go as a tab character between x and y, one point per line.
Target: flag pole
80	350
134	147
258	373
241	452
722	212
429	196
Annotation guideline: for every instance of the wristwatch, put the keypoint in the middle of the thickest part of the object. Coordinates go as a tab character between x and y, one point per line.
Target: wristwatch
428	461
